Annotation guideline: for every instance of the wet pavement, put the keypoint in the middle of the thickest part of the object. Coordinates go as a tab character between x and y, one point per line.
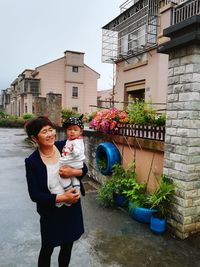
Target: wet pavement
111	239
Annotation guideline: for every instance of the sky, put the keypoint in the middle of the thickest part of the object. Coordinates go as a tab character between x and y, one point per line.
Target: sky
33	33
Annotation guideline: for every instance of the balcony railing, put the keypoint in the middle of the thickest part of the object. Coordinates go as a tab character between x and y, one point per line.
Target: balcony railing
131	33
185	11
177	2
141	131
127	4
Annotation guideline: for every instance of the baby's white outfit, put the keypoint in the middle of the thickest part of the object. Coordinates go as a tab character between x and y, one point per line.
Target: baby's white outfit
73	155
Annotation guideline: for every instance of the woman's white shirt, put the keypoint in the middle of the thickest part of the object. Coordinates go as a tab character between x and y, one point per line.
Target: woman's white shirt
53	183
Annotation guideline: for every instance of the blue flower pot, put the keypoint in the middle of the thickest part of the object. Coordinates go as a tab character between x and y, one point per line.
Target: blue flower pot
158	225
110	153
120	200
140	214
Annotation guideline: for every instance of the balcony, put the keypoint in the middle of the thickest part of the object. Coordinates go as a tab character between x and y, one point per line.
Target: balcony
133	32
30	85
185	10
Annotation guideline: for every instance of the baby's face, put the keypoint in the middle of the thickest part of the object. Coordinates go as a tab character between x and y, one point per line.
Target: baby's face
73	132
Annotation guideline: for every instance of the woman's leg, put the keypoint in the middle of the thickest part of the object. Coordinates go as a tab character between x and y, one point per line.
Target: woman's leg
44	259
65	255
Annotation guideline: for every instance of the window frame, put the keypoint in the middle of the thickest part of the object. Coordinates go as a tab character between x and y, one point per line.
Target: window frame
75	69
75	91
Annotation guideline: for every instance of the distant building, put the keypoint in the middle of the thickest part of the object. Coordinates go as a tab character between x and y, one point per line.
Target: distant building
5	100
104	98
68	76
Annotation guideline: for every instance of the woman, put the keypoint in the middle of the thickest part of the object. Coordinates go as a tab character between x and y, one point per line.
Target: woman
60	224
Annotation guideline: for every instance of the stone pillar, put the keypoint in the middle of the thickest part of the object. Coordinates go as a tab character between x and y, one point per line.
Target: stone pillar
182	145
54	106
49	106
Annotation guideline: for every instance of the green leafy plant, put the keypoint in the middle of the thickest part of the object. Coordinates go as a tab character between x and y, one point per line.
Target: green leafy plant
66	113
161	197
137	194
123	178
3	114
141	112
105	196
102	163
27	116
120	180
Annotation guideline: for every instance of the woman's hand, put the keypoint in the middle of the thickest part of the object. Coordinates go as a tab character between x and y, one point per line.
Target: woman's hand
66	172
70	196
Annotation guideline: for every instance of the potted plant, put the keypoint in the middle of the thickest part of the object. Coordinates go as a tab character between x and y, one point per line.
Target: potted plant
139	206
160	200
111	192
123	179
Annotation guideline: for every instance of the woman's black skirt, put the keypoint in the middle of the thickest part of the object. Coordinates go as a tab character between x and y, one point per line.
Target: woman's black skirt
62	225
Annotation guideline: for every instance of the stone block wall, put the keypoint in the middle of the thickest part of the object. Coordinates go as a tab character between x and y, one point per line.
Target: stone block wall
131	149
182	142
49	106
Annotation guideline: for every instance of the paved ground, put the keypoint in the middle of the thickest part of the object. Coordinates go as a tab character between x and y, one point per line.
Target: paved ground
111	239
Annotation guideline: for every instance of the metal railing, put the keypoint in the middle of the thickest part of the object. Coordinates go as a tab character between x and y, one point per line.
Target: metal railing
126	5
141	131
177	2
186	11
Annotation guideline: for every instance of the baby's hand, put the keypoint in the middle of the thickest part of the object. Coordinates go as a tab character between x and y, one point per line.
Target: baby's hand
72	148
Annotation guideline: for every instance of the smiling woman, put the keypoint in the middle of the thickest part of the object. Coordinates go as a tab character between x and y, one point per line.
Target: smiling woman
60	223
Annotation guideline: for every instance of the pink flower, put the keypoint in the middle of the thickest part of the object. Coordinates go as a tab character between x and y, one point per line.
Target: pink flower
108	120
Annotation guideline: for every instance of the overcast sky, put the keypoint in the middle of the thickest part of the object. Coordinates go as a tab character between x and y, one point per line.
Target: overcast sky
36	32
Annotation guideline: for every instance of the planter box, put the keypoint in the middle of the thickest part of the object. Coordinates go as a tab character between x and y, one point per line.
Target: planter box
140	214
157	225
120	200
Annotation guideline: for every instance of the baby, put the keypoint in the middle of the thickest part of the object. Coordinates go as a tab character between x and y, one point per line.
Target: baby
73	151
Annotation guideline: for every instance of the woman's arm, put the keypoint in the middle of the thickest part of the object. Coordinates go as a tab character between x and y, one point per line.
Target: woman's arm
70	196
66	172
37	186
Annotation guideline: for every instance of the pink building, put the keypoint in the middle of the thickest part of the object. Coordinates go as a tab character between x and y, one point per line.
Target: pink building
104	98
130	41
68	76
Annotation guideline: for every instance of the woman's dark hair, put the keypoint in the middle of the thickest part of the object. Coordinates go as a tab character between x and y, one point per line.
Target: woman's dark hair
34	126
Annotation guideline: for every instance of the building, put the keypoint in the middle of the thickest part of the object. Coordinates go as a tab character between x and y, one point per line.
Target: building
130	41
105	98
68	76
5	100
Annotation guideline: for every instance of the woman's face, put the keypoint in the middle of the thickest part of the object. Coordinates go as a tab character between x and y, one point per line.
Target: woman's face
46	136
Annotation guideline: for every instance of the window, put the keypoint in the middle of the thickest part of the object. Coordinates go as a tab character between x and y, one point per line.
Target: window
136	90
74	91
75	109
74	69
137	94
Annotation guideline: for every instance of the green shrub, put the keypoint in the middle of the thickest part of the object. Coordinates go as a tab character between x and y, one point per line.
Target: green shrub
141	112
66	113
27	116
12	122
3	114
105	196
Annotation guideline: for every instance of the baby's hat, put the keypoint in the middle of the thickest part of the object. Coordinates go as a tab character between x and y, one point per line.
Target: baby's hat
74	121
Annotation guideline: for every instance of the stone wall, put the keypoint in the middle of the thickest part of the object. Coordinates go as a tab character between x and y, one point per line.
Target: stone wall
49	106
140	150
182	142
